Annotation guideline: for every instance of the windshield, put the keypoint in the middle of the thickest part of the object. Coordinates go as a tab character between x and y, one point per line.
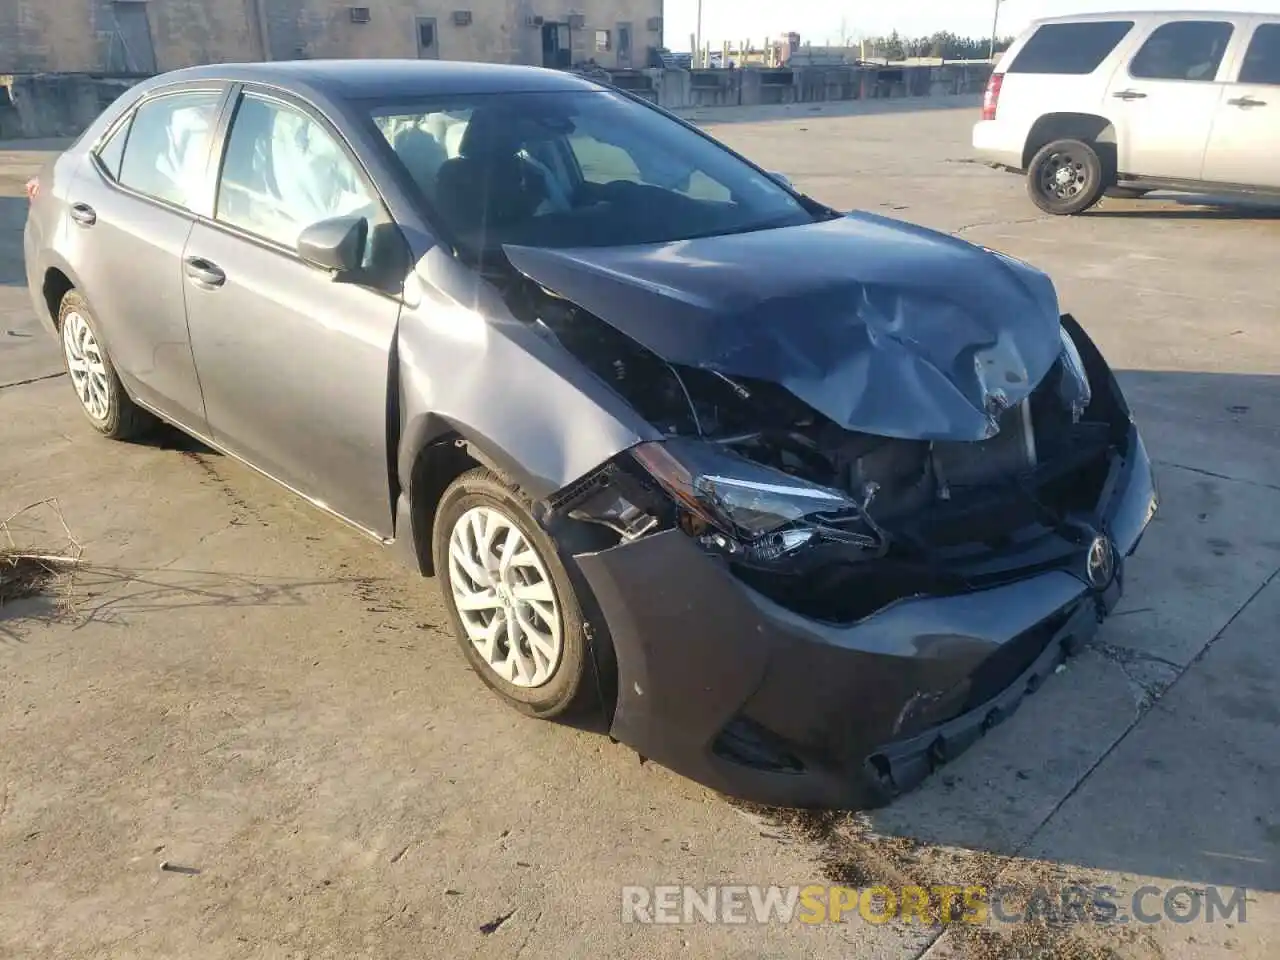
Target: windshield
575	169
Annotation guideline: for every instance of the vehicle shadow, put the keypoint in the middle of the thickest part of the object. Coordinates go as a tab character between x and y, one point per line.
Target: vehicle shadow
168	437
1155	206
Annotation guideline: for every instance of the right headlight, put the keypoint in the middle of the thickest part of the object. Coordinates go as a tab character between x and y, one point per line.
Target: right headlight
747	509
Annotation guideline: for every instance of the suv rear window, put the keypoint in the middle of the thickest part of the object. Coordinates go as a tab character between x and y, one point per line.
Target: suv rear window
1070	48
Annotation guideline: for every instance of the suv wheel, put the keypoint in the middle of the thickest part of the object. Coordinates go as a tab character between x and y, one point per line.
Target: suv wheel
98	388
1065	177
513	605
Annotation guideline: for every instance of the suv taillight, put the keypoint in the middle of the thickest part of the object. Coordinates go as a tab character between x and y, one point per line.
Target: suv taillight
991	98
33	189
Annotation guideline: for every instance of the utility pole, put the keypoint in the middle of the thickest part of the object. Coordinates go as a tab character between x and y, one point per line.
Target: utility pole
697	53
995	24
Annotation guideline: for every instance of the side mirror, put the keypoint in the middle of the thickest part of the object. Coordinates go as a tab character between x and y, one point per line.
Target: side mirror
337	244
783	179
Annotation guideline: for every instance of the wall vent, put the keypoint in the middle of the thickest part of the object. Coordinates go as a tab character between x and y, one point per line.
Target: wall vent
360	15
462	18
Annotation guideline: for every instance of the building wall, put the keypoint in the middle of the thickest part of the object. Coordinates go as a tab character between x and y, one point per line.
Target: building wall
97	36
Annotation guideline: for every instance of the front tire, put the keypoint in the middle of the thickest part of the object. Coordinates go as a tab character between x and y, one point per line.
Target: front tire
514	608
1066	177
93	377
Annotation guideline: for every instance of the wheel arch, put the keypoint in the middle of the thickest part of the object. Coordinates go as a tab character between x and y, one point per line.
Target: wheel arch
1091	128
442	450
434	451
55	287
57	279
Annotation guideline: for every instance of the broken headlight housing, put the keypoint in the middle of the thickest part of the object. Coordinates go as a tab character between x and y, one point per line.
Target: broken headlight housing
747	510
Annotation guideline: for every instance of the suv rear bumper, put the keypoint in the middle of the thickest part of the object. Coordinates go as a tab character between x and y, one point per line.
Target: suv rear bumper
999	143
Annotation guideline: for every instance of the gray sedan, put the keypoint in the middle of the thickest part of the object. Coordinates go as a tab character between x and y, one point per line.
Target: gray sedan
800	501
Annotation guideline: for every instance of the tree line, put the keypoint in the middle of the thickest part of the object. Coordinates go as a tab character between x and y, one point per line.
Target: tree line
941	44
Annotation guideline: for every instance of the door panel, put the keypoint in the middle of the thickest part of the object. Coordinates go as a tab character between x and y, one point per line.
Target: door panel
1164	102
126	242
296	366
1244	147
296	372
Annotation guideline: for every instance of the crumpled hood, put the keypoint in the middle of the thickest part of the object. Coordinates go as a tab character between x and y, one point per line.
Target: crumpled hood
882	326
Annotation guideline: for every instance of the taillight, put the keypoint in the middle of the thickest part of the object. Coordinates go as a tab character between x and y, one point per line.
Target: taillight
33	189
991	98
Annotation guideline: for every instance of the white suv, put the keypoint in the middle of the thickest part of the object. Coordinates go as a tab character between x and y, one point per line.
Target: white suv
1124	103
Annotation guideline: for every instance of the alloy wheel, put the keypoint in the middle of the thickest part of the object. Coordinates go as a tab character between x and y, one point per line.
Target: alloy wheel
85	365
504	598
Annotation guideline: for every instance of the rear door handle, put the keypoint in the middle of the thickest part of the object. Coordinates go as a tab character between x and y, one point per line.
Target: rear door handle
84	214
1129	95
203	272
1246	102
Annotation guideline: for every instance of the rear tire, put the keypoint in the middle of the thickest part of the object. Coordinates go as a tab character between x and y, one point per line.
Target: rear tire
102	397
1066	177
546	667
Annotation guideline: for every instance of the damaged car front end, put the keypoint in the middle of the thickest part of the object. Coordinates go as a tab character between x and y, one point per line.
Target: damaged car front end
884	508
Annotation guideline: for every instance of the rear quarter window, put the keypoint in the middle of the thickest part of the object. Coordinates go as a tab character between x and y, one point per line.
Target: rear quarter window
1070	48
1262	61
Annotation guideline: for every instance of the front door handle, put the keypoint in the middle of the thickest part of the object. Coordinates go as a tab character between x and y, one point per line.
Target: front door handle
1246	102
203	272
84	214
1129	95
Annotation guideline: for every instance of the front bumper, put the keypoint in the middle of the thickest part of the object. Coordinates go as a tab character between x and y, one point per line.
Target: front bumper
726	687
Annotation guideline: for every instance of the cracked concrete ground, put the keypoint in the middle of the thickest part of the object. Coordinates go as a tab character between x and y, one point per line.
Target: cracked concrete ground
238	686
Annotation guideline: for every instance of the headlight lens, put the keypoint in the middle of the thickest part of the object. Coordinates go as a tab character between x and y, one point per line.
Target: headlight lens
1073	389
751	509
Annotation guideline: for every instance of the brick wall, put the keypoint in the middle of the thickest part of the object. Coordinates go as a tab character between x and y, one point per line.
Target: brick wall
101	36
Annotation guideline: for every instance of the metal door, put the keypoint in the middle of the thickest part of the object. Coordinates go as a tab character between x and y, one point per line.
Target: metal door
428	39
131	49
624	46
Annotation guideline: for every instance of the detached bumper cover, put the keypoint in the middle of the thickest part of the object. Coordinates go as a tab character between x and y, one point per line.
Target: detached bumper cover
726	687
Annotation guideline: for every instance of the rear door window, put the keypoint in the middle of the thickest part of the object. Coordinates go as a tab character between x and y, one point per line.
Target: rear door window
1070	48
167	152
1183	50
1262	61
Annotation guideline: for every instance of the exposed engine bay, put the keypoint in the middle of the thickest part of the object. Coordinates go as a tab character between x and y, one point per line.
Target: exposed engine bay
933	513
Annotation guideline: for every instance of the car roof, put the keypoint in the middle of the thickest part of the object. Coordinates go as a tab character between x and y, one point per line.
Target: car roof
391	79
1145	15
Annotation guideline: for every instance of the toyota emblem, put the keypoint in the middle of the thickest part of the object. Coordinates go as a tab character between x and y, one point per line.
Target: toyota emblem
1100	563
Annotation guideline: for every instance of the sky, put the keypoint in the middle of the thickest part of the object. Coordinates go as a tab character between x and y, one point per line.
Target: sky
819	21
